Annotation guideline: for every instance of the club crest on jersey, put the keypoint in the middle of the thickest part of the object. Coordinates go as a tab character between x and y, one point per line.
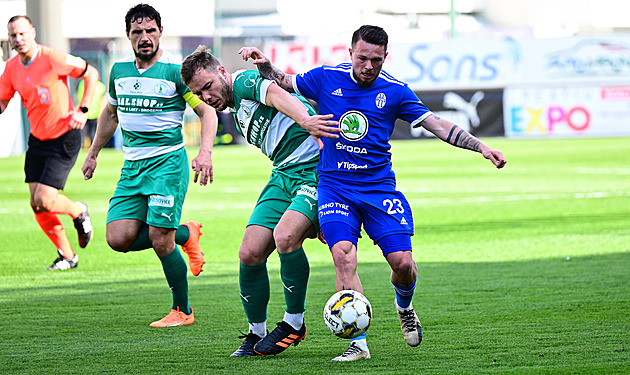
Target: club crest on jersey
250	81
381	99
44	95
354	125
160	89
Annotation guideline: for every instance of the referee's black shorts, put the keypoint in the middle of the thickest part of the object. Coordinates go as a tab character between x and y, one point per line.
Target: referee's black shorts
49	162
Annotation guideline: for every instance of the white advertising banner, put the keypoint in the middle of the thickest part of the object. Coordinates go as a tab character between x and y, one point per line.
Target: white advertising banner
584	59
455	64
471	64
589	111
452	64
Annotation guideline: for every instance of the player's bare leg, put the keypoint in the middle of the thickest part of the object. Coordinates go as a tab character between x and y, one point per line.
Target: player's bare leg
344	255
404	274
120	234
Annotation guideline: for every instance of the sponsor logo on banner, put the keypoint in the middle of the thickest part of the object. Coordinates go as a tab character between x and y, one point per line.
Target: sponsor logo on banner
462	112
590	58
567	111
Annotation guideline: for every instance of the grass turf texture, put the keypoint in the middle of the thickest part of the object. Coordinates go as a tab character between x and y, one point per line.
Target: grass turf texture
522	270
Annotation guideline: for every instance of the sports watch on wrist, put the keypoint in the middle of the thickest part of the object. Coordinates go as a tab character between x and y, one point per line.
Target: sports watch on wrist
84	109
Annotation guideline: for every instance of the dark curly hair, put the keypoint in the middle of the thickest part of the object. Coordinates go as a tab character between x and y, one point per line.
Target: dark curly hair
142	11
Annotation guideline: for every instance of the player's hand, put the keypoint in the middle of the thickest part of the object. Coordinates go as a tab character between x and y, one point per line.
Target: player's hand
320	237
496	157
254	54
89	165
202	165
319	126
77	119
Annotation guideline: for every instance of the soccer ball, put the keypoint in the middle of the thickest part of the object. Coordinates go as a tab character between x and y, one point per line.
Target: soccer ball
348	314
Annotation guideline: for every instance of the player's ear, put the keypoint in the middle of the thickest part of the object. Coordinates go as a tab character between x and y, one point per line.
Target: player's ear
222	71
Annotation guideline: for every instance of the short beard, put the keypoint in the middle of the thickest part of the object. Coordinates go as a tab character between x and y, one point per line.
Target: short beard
147	56
362	82
226	93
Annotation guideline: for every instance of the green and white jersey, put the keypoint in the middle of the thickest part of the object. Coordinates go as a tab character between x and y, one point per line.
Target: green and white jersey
150	105
286	143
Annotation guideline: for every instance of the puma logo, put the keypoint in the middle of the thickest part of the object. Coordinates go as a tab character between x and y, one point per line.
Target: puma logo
309	203
288	287
167	216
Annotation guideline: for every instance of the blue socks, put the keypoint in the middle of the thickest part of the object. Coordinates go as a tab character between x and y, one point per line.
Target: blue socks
404	294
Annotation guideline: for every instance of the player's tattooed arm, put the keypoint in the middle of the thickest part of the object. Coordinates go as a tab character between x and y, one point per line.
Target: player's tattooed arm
266	69
451	133
461	138
456	136
278	76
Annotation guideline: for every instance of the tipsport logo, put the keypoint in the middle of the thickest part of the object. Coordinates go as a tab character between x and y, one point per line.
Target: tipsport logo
354	125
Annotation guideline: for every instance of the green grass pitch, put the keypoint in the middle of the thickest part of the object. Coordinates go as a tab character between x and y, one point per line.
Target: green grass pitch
524	270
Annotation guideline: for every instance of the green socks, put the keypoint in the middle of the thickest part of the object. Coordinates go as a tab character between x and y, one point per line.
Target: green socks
254	285
294	272
175	270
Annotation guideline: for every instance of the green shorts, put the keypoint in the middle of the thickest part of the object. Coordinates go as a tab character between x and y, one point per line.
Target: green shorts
287	191
152	190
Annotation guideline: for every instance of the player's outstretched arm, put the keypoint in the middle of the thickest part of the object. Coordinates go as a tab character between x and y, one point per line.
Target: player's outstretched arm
105	128
202	163
318	125
266	69
456	136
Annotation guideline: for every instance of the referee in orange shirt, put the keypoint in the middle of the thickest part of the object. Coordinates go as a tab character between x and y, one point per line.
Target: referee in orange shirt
40	75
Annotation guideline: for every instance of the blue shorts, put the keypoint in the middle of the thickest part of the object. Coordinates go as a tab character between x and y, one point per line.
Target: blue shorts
382	210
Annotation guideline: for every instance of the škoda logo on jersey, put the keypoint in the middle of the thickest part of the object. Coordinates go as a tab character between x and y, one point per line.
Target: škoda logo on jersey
354	125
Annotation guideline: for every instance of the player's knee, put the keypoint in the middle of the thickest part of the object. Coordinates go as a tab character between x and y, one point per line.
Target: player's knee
403	264
286	241
344	258
117	243
249	257
35	207
42	204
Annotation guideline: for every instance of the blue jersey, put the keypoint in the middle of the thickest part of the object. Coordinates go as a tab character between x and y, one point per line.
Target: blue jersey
361	155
